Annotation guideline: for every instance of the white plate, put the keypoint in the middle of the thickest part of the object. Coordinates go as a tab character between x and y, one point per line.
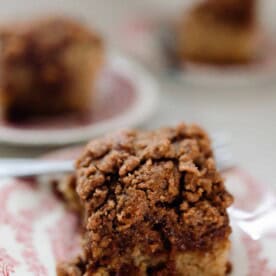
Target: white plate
127	97
223	76
36	232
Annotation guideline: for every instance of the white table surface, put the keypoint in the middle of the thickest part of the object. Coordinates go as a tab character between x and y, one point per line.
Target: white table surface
248	115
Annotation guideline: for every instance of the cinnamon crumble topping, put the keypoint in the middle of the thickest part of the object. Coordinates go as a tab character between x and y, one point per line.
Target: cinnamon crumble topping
235	12
148	195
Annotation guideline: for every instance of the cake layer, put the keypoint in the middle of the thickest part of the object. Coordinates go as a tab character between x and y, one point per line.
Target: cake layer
191	263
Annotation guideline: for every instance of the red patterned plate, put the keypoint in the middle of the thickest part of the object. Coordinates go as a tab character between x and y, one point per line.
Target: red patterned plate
36	232
127	96
260	71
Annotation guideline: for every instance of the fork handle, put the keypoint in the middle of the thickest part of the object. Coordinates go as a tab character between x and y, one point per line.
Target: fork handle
31	167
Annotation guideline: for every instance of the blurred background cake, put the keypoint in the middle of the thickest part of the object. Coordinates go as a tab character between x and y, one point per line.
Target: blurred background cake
48	66
219	31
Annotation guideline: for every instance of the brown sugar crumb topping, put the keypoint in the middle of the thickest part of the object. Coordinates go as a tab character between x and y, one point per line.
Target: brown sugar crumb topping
235	12
42	38
150	192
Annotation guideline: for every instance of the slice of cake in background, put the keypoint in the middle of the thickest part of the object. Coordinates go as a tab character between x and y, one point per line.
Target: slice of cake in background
154	204
219	31
48	66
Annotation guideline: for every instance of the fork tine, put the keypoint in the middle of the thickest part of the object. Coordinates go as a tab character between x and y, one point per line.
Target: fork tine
223	155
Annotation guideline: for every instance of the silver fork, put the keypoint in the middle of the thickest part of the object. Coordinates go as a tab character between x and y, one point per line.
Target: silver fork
22	167
17	167
255	223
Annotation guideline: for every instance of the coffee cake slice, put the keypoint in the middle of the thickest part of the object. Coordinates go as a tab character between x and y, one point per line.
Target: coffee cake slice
48	66
219	32
154	204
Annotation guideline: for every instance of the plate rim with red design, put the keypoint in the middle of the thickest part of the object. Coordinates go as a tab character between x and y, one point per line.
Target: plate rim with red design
143	105
249	256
